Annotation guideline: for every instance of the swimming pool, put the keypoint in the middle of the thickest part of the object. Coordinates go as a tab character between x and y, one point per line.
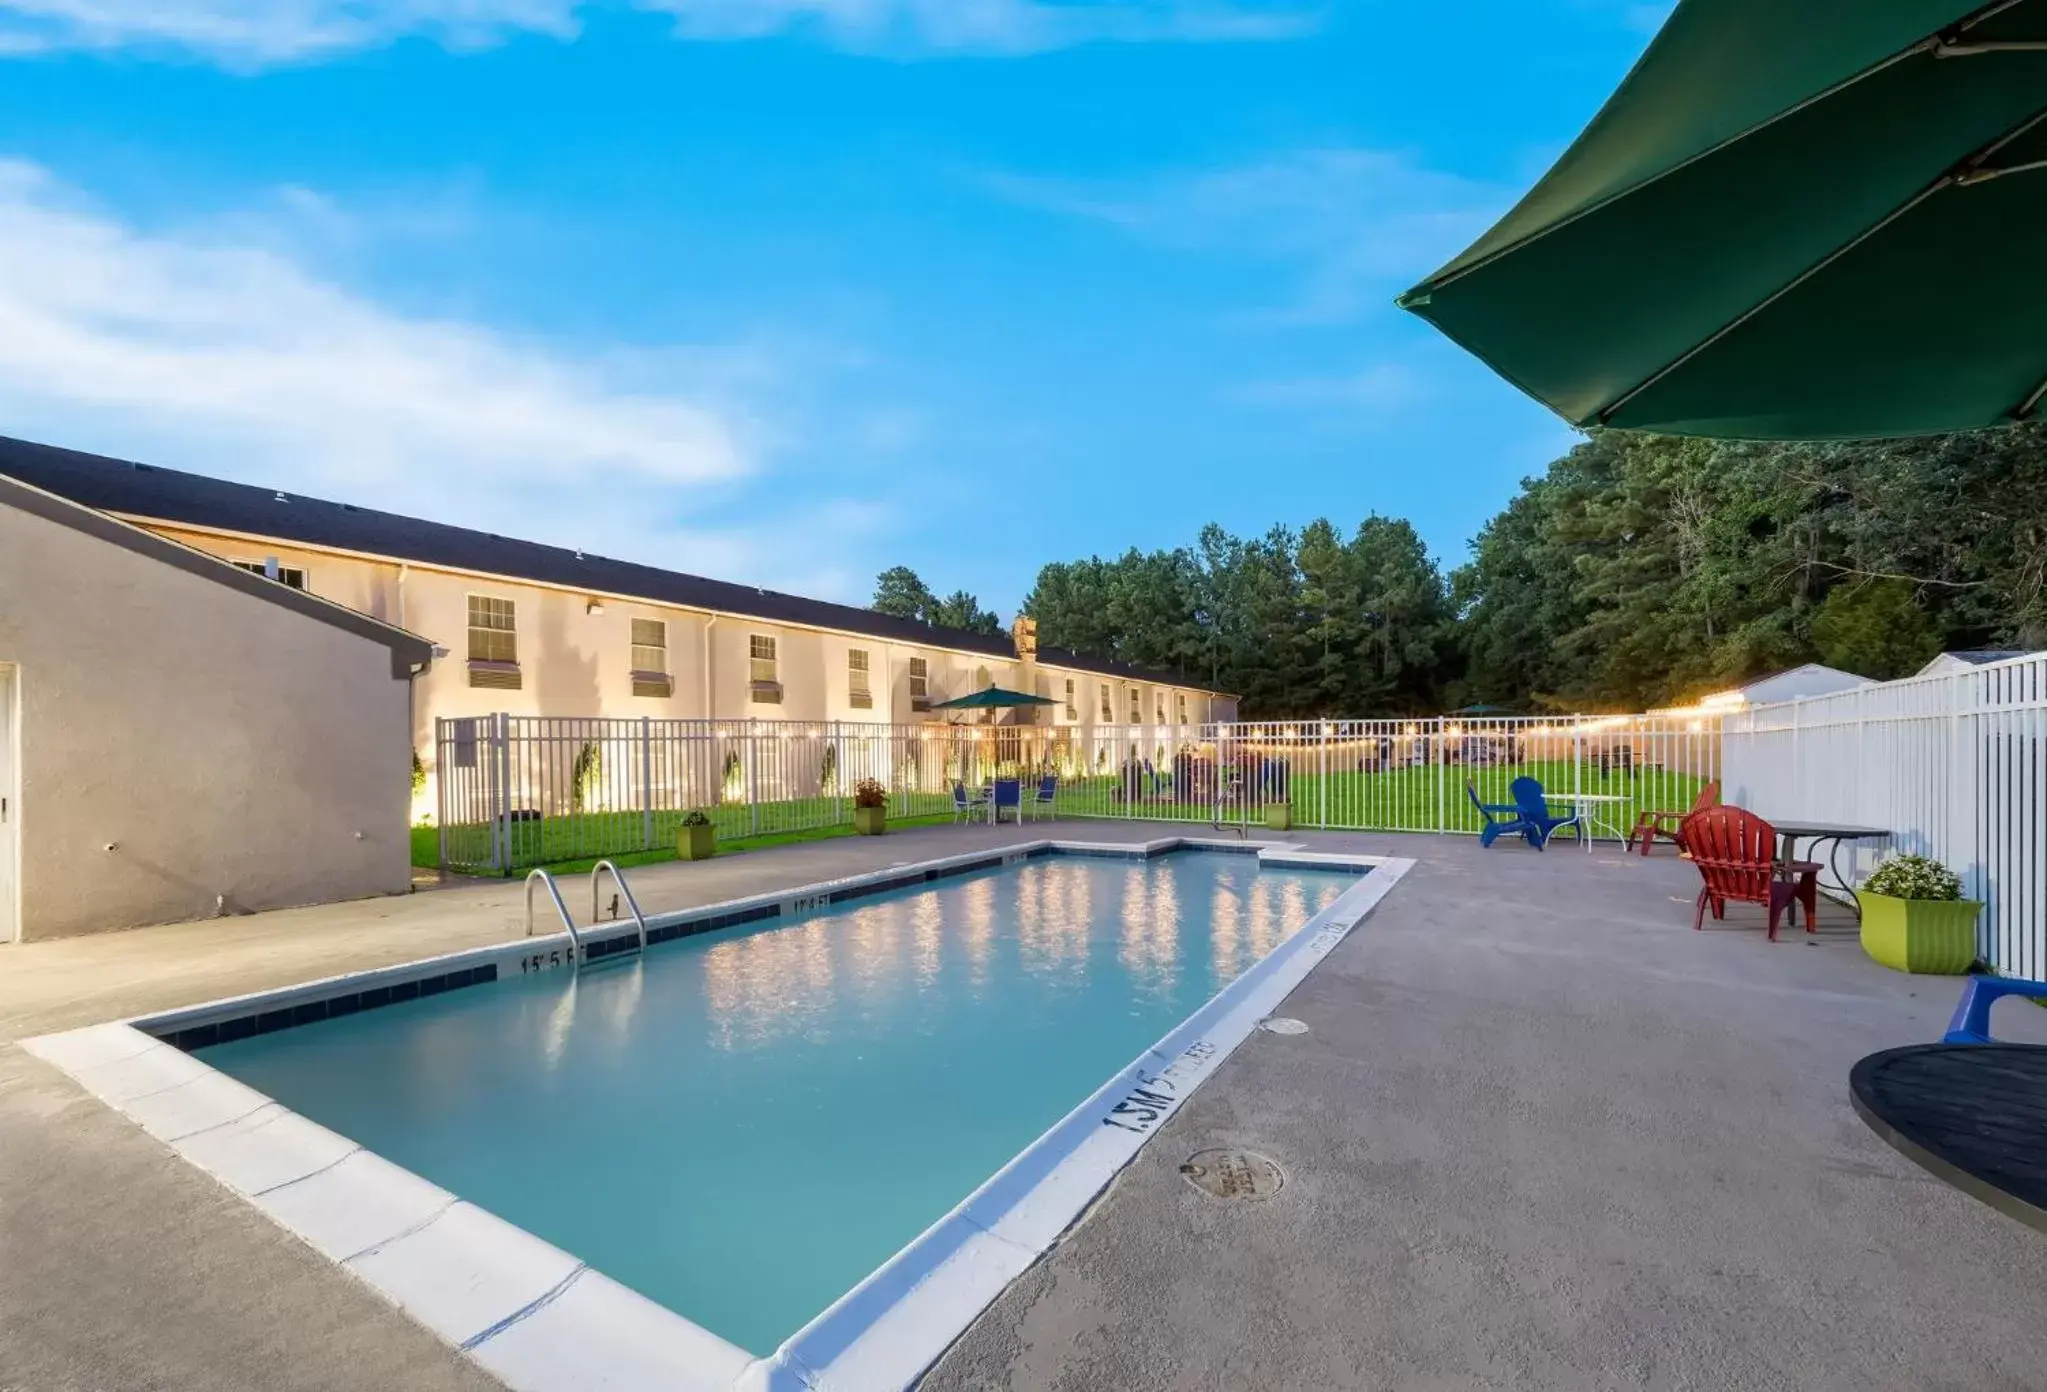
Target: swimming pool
834	1085
743	1124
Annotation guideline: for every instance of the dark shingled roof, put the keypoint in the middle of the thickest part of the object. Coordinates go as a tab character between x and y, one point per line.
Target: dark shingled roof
167	495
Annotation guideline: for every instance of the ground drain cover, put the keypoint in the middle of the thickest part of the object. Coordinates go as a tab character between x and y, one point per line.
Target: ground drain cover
1282	1024
1234	1174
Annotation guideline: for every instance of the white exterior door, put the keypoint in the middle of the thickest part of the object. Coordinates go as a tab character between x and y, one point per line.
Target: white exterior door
10	809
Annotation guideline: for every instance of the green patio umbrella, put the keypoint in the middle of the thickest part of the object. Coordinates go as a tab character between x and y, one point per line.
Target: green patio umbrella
1792	221
992	698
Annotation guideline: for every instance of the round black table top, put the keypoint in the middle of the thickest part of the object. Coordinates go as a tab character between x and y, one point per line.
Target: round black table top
1974	1114
1834	831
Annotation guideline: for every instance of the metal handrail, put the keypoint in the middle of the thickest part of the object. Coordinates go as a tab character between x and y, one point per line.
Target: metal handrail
1225	788
624	889
554	893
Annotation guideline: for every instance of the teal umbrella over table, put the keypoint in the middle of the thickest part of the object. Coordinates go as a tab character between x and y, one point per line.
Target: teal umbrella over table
1791	221
992	698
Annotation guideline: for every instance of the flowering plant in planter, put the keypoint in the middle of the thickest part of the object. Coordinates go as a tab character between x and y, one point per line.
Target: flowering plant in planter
870	807
695	837
1914	877
1914	918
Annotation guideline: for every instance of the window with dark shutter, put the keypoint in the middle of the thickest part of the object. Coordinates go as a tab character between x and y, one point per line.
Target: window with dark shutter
493	643
650	659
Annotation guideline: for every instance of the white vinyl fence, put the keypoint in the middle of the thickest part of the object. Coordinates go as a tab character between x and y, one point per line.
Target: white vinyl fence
514	791
1954	766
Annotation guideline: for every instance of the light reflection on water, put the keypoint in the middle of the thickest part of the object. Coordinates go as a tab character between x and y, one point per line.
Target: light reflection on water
1224	911
827	1086
773	985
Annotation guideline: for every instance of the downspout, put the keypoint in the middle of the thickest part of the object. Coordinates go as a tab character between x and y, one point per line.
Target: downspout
412	700
710	622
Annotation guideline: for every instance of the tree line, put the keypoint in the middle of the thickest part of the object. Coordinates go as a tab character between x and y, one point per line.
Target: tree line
1637	570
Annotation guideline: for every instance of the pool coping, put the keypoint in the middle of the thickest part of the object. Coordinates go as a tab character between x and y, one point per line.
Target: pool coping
524	1309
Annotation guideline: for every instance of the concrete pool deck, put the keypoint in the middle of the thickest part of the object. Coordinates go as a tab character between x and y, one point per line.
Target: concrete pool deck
1539	1133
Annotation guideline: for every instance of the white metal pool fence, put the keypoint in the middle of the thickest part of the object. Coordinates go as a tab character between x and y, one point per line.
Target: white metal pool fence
1953	765
514	791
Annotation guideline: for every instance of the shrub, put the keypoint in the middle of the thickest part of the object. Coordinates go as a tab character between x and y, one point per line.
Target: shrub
585	777
418	774
1914	877
868	792
696	816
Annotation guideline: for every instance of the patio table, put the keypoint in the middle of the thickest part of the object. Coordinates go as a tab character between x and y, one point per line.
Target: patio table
1587	806
1789	834
1973	1114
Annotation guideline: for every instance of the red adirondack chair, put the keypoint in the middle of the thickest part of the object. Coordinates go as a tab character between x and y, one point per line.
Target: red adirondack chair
1669	825
1736	852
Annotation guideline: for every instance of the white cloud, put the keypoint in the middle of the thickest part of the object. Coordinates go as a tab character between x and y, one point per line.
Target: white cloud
915	27
230	358
1354	225
256	33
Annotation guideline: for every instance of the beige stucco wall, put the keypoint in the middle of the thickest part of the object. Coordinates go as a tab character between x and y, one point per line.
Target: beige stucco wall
233	751
576	662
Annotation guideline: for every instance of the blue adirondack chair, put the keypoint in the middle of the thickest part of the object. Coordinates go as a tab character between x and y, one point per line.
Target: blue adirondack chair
1971	1024
1499	819
1534	804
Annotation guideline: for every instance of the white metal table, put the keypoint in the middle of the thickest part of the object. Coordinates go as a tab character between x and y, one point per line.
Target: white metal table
1590	823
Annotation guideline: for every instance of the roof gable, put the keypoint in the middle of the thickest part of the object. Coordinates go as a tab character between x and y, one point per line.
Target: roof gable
410	653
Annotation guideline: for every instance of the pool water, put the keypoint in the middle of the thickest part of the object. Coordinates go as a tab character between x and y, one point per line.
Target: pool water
742	1125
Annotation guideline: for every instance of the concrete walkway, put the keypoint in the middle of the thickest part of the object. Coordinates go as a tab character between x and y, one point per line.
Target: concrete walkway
1540	1134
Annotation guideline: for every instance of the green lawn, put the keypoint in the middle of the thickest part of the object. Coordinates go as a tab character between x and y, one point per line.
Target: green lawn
426	845
1401	799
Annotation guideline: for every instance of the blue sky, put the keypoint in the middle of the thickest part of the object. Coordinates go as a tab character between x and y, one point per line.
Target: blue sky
785	291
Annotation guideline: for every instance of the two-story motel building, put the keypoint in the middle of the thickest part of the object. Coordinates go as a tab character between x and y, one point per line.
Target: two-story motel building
542	630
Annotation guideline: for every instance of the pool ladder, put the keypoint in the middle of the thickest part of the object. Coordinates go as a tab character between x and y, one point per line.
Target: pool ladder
625	892
577	951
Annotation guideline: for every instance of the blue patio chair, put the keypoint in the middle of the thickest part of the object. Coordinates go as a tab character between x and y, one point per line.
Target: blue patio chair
1971	1024
1008	793
1043	795
1534	805
966	806
1498	819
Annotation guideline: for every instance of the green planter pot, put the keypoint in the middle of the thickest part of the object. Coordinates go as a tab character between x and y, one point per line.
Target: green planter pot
696	842
870	821
1934	937
1279	816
